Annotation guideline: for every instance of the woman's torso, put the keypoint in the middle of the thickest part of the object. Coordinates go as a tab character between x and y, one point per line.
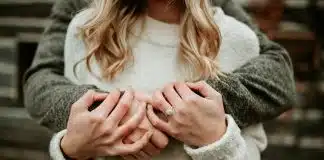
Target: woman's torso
155	60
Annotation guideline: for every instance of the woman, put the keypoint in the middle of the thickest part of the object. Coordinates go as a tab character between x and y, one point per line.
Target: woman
192	56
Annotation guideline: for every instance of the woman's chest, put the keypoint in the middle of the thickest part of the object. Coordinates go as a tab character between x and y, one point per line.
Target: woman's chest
152	68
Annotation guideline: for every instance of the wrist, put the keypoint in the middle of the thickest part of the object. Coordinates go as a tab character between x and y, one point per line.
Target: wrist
231	142
216	135
68	150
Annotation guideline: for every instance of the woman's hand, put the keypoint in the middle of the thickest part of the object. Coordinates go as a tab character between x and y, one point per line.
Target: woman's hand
157	143
99	133
158	140
195	120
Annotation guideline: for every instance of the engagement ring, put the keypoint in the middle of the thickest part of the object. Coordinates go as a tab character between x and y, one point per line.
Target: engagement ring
170	111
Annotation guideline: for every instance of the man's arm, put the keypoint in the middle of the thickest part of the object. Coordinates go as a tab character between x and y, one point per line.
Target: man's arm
264	87
48	94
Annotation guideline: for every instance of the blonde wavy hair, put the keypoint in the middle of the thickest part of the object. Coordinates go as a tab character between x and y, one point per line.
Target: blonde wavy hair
106	36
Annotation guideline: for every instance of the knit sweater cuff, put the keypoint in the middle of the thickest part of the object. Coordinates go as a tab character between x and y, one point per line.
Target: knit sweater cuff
55	146
230	147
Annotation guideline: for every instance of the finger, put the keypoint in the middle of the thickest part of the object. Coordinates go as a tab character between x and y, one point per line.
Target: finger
150	150
201	87
135	147
122	108
135	135
129	157
127	141
128	127
160	103
184	91
159	139
100	96
171	95
88	99
157	122
108	104
123	132
143	97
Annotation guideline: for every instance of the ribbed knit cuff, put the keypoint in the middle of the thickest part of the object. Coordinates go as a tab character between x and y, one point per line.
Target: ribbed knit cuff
55	146
230	147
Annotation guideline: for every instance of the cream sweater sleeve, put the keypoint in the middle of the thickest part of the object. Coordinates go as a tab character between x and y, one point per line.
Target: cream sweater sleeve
234	145
55	146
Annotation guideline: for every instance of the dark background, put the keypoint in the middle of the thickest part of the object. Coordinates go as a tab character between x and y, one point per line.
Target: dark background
296	24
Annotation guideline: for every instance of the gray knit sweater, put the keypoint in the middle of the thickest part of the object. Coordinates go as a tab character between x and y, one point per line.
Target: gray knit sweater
259	90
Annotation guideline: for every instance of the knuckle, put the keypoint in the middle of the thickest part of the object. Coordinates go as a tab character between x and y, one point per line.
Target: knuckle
97	119
175	133
111	152
131	127
178	122
182	111
108	130
108	141
169	86
177	84
125	105
114	97
90	92
155	123
202	83
158	102
165	88
191	100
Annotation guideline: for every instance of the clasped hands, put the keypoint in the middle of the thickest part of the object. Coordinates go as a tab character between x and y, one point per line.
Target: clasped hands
129	125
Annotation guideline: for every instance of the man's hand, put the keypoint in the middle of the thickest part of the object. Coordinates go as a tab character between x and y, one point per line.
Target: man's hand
104	134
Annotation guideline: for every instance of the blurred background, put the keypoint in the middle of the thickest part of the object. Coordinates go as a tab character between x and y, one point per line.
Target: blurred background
295	24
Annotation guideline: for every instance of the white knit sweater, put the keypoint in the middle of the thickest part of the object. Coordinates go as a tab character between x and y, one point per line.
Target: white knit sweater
155	64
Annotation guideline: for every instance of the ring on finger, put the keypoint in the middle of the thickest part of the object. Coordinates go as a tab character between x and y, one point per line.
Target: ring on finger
170	111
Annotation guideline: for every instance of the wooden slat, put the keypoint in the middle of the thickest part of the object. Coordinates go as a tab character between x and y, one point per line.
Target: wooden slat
26	10
12	153
25	1
23	133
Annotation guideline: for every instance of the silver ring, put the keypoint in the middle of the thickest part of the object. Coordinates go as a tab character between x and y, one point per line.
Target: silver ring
170	111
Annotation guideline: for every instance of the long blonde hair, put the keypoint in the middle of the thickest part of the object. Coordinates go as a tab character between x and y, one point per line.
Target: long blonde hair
106	36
